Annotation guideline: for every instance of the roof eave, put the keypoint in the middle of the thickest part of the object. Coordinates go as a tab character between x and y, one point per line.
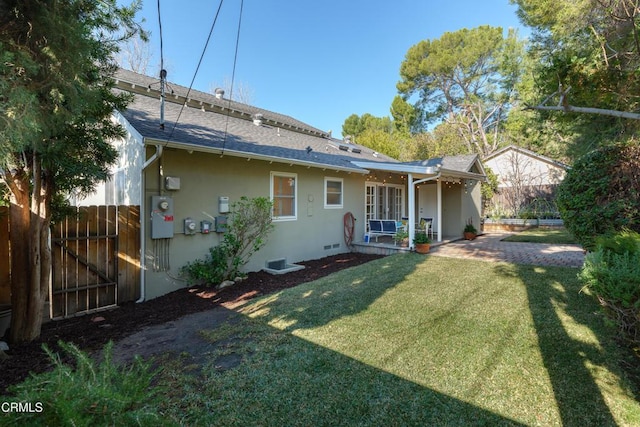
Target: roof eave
461	174
251	156
397	167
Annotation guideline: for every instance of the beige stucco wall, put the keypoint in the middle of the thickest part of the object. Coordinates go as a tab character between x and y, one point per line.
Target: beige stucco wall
471	196
205	177
460	201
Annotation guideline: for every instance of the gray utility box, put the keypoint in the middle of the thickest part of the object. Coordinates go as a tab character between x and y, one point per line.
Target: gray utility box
161	217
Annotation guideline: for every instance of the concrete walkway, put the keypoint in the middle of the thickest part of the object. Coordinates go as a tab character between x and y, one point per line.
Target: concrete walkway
490	247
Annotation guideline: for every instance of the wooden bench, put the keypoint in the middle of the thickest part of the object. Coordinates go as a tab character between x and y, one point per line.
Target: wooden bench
384	227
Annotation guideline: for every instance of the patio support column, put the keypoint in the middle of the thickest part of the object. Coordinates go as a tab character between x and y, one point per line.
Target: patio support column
439	211
412	209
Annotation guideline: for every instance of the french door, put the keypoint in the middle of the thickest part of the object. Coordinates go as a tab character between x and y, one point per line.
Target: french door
384	201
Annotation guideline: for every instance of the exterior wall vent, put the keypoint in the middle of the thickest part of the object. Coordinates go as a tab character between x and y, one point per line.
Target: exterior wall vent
356	150
343	148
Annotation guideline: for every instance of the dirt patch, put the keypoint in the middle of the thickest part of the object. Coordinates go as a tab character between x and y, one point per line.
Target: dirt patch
129	318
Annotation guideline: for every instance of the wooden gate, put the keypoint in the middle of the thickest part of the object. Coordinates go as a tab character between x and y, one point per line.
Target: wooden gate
96	260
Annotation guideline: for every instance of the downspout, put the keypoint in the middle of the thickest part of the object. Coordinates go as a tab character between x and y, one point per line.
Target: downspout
143	221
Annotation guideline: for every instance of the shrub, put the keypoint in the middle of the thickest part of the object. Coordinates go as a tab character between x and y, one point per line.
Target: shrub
249	225
420	238
211	269
601	193
91	394
612	272
469	227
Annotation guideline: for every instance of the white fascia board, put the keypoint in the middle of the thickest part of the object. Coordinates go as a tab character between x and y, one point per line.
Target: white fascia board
253	156
398	167
461	174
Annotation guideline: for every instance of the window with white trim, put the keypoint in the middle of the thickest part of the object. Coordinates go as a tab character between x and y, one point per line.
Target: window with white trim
333	193
284	195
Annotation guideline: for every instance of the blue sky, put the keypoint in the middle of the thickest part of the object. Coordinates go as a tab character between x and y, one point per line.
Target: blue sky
318	61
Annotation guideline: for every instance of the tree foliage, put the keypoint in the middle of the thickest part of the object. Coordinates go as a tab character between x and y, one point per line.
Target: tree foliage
377	133
56	100
593	48
355	125
466	78
405	116
612	273
601	193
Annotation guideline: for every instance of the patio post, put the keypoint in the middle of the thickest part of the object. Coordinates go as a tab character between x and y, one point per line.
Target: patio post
439	211
412	209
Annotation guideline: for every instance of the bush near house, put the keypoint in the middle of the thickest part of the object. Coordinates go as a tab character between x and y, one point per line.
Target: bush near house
247	230
601	193
612	272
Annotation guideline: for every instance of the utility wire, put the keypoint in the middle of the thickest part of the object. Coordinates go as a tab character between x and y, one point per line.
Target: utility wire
163	72
233	75
213	24
161	46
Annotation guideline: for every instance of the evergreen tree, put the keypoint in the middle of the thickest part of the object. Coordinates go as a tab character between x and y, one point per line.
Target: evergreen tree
56	100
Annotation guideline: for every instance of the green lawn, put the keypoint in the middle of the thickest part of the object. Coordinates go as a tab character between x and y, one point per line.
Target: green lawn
411	340
559	236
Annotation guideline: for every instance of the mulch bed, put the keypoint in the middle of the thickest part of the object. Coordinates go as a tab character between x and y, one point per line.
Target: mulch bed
128	318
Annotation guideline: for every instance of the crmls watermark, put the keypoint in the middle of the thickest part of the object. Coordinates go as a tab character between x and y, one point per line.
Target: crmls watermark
21	407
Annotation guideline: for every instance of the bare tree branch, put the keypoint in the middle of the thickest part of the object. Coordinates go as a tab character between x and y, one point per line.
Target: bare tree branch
564	106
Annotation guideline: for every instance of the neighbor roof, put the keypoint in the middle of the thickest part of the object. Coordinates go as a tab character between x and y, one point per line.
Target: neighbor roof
528	153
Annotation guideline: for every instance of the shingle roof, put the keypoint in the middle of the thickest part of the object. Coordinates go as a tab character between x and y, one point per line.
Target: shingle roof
174	90
462	162
201	121
528	153
235	130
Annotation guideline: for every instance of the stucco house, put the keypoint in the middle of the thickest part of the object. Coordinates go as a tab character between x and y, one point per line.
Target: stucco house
523	176
210	151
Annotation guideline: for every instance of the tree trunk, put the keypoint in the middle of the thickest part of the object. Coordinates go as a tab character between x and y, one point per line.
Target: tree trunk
30	253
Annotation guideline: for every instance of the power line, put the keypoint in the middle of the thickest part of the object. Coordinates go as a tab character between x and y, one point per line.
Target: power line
204	50
163	72
161	46
233	74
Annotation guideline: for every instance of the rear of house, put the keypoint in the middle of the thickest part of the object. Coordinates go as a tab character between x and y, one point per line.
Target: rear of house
186	172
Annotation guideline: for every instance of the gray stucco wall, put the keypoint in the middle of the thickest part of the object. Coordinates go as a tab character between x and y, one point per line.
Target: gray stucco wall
205	177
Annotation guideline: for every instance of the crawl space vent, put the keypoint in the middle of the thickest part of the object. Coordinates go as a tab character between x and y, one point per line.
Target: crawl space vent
280	266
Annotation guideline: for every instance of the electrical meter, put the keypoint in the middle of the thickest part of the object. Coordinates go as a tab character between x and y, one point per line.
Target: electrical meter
189	226
161	217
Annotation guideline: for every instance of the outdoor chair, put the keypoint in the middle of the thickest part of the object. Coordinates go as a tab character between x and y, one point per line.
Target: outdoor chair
426	224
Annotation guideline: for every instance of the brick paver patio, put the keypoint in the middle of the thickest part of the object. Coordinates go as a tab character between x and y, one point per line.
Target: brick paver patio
490	247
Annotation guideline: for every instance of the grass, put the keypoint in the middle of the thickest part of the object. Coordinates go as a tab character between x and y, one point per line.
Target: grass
559	236
412	340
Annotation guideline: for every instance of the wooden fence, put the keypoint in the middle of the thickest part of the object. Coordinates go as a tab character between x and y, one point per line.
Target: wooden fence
95	257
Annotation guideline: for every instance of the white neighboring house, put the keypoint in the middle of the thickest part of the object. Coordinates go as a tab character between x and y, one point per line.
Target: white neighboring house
523	175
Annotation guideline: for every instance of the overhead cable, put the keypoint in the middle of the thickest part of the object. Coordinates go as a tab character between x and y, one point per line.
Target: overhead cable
204	50
233	75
